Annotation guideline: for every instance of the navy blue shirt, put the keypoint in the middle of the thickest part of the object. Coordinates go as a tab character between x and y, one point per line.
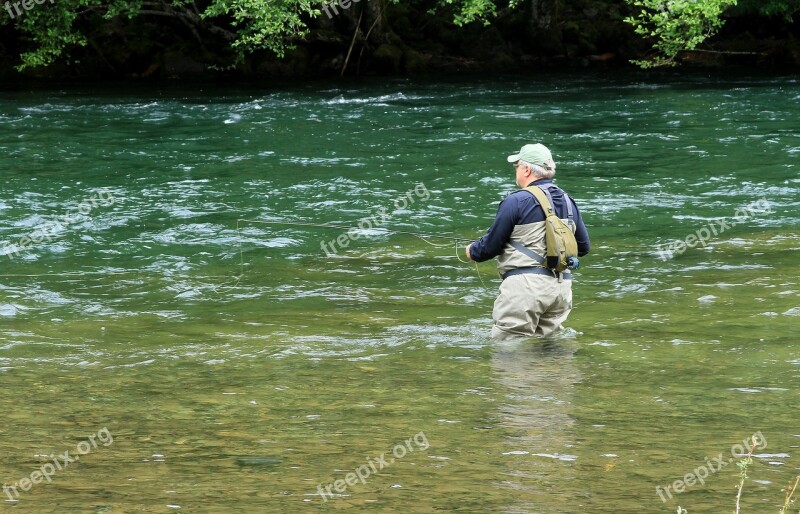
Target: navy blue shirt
522	208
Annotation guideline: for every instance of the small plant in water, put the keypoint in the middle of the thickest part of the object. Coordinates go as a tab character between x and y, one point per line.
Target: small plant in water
743	465
789	496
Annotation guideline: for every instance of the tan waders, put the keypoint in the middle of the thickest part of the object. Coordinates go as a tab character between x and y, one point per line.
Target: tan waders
531	305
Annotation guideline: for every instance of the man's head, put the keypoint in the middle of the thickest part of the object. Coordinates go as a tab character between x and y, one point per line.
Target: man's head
533	162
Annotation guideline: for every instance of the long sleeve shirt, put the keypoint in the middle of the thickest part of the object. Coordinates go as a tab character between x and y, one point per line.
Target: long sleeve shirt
521	208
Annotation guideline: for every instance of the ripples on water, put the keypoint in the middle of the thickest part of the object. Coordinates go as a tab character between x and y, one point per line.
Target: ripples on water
165	300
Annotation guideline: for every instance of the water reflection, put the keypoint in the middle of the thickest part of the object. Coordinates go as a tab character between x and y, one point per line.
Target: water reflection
538	377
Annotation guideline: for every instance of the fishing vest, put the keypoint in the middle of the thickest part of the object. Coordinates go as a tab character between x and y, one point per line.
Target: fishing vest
530	238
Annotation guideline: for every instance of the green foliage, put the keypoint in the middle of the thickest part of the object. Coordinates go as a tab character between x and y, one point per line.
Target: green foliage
471	10
257	24
676	25
50	29
264	24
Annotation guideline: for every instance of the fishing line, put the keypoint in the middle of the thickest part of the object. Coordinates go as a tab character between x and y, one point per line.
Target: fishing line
103	273
424	237
71	274
477	271
456	241
340	227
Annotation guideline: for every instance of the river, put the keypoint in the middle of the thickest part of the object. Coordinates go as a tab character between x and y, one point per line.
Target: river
222	364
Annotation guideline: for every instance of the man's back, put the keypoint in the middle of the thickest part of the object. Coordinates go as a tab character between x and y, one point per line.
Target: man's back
521	218
533	300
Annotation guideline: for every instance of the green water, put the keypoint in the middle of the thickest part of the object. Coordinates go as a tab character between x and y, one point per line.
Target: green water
238	367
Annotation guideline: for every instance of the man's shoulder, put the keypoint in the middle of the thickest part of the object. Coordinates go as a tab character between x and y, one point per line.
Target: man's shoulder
519	194
556	189
514	198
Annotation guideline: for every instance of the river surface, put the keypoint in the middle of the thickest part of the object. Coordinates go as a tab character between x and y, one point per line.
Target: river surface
197	359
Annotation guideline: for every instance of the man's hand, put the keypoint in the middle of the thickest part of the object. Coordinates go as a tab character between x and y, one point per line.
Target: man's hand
468	255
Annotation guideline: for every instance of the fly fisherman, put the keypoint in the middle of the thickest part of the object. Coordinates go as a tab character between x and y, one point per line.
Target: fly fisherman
533	300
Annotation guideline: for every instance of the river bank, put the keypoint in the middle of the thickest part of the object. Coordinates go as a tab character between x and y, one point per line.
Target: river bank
394	42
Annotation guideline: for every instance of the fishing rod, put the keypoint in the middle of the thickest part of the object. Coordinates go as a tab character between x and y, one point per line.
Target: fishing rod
340	227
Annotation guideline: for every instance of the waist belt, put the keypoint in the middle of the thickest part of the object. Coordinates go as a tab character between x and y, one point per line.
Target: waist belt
566	275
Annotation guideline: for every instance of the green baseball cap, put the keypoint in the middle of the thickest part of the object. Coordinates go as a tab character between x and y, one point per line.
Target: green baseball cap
533	154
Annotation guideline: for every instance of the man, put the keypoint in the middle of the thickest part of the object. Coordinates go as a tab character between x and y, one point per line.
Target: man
533	300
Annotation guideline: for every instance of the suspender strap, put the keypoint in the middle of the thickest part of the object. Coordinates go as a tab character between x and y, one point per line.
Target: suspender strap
549	197
547	205
524	250
567	200
546	201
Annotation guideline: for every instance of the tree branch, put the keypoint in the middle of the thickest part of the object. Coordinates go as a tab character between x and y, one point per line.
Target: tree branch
187	16
722	52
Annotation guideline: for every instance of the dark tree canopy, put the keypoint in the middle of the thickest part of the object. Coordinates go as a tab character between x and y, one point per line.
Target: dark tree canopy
228	31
